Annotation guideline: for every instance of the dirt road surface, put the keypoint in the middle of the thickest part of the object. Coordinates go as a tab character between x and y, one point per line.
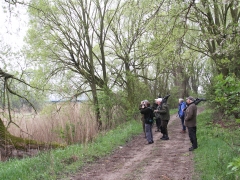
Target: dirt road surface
162	160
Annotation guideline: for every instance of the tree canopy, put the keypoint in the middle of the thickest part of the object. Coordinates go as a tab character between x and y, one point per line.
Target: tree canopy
118	53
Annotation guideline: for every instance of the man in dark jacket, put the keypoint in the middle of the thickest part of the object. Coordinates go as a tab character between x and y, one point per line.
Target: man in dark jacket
147	111
157	114
191	122
165	117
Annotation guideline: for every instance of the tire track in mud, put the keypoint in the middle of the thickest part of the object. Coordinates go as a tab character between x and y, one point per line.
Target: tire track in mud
163	160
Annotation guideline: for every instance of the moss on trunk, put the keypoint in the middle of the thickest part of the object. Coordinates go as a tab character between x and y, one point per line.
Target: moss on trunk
7	139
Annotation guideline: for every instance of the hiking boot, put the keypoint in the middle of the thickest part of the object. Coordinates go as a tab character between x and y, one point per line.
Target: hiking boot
192	148
165	137
149	143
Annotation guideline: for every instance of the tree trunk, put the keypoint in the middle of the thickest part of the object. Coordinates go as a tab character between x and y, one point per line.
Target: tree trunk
7	140
180	81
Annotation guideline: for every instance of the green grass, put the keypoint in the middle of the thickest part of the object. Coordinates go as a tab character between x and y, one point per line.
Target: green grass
173	111
216	149
61	162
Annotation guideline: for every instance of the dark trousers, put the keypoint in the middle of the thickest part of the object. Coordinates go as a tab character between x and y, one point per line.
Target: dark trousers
183	126
143	125
164	127
158	123
148	130
192	131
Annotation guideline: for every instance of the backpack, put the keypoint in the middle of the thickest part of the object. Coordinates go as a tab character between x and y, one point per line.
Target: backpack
150	119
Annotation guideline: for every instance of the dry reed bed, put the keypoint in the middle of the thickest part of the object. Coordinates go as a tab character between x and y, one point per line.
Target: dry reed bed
65	123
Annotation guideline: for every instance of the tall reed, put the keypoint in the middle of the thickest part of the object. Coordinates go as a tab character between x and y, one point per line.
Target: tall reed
62	123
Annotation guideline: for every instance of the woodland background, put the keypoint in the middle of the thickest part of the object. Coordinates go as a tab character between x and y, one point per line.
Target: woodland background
100	58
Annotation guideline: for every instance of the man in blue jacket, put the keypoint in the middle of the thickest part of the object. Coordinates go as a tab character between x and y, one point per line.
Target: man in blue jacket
181	108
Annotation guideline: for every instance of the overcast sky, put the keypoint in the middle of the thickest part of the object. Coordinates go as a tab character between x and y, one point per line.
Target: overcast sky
13	25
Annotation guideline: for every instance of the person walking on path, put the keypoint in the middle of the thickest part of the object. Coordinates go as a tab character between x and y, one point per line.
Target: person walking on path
165	117
181	114
190	121
157	114
147	111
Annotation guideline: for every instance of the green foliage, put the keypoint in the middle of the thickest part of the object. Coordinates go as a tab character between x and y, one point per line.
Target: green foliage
127	100
111	109
234	167
225	55
226	95
216	148
67	132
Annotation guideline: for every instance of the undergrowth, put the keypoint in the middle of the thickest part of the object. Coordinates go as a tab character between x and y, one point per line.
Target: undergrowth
218	146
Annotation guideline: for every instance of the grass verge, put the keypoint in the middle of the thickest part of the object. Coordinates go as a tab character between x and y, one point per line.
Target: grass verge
62	162
217	148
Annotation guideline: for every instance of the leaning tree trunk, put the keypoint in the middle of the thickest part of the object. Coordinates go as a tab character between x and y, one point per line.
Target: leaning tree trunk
9	142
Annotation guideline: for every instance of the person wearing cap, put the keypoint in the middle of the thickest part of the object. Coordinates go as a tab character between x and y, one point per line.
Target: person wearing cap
147	111
165	117
181	107
157	114
190	122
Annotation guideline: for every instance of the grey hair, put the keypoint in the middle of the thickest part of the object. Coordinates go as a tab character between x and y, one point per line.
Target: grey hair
181	100
146	101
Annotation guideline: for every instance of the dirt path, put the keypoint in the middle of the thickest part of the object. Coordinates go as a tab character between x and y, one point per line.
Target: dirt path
163	160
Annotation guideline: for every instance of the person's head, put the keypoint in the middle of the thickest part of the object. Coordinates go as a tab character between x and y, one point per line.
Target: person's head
158	101
143	101
190	99
180	100
147	103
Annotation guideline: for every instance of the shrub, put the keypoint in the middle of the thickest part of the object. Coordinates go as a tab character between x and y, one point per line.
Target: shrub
225	97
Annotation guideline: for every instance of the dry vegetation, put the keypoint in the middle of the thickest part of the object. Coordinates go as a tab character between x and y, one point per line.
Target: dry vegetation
55	126
62	123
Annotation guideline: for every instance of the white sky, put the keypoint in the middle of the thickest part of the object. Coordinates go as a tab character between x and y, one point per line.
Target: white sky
13	25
